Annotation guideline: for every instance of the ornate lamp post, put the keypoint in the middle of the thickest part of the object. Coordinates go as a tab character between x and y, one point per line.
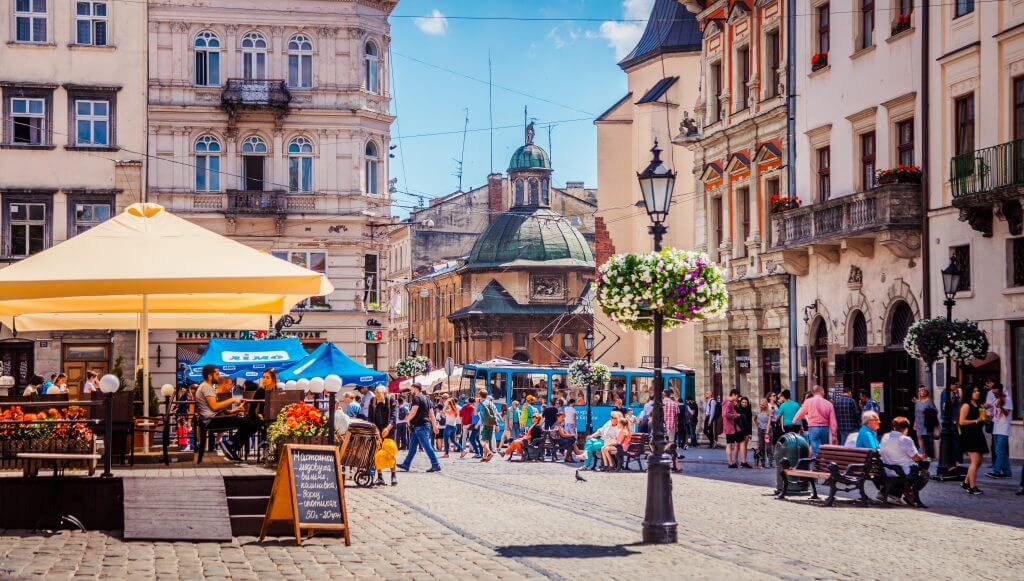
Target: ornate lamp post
332	383
947	447
588	344
659	526
108	385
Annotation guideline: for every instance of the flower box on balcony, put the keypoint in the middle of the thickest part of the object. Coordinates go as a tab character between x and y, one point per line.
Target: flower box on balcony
901	174
901	23
783	203
819	61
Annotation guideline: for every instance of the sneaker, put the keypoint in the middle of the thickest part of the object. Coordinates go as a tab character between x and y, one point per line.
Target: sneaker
993	475
745	465
975	491
224	444
733	466
964	485
402	467
434	469
394	480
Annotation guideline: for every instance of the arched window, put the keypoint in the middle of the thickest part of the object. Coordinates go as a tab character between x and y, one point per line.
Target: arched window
520	194
254	156
859	335
254	56
300	165
300	61
372	168
207	150
545	193
900	322
534	192
207	47
371	67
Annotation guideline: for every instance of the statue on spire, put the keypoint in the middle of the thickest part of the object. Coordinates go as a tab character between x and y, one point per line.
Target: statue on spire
529	133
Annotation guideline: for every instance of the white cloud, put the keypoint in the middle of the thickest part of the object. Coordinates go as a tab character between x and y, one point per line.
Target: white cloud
563	35
623	36
434	25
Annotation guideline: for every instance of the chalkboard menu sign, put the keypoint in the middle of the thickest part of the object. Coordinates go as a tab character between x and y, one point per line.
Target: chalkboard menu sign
308	491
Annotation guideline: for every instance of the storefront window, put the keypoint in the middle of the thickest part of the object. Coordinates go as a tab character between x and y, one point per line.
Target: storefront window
743	371
771	371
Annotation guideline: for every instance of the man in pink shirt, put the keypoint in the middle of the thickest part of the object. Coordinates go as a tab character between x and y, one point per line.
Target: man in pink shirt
730	425
821	419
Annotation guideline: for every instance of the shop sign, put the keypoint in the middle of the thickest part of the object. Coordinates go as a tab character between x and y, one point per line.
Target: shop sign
374	335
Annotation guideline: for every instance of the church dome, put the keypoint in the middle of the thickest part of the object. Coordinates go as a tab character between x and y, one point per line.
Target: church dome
529	156
530	236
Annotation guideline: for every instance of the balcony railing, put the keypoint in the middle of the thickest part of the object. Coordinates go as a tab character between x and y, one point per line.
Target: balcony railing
881	208
256	94
256	202
987	170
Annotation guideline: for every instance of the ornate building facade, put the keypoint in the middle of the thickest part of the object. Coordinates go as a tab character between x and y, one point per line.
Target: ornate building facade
738	142
270	125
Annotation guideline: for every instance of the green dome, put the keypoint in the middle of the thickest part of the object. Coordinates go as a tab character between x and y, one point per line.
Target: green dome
529	236
529	156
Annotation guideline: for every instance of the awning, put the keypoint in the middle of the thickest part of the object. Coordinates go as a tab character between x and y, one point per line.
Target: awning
248	358
326	360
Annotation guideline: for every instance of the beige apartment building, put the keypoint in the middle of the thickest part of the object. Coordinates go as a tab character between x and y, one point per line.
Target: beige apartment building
976	187
662	76
269	124
738	140
72	152
396	297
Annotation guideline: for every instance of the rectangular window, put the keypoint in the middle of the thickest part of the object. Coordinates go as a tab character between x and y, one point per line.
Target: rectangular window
27	228
716	210
30	21
91	22
371	280
743	67
28	121
1017	261
963	127
824	24
1017	366
771	189
867	23
743	372
743	199
772	58
963	7
867	160
92	122
905	142
207	172
315	261
716	85
1018	108
824	174
90	214
961	257
771	371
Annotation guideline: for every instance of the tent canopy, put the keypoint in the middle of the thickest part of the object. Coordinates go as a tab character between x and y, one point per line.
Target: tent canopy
149	260
327	359
248	358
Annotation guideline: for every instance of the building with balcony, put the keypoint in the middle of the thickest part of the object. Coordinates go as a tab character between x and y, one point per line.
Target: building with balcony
977	183
270	124
738	141
72	153
661	75
854	243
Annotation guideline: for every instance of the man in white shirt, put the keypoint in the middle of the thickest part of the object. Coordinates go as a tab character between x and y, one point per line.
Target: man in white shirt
898	449
1000	409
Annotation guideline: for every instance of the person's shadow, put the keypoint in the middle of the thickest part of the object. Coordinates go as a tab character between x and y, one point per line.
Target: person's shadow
567	551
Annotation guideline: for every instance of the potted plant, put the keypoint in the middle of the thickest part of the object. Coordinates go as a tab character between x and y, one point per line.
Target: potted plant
372	306
901	23
38	432
683	285
901	174
819	60
298	423
780	203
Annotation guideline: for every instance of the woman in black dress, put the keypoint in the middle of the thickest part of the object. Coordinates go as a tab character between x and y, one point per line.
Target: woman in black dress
972	438
746	425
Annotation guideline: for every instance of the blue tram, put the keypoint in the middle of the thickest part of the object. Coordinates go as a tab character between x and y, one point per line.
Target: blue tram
509	380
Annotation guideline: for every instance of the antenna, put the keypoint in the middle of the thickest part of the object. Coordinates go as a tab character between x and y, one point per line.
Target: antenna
550	156
490	107
462	154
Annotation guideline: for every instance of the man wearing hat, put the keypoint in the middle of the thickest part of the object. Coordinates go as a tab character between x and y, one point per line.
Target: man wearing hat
423	428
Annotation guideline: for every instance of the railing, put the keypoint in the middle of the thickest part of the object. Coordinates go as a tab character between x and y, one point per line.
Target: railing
250	202
883	207
256	93
984	170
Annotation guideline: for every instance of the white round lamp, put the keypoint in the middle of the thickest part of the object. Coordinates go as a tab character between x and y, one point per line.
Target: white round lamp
281	385
303	384
332	383
291	384
167	390
109	383
316	385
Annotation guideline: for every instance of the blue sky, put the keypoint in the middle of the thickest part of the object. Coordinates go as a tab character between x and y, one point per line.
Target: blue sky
567	67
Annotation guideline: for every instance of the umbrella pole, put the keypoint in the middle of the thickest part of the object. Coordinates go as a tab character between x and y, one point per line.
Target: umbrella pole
144	361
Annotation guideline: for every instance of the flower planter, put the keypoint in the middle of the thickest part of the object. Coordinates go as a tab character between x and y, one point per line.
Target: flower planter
10	448
304	440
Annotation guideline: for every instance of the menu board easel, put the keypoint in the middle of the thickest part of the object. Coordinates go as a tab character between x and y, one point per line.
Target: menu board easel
308	492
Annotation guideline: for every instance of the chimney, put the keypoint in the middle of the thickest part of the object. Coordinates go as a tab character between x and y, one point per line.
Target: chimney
604	248
495	196
574	185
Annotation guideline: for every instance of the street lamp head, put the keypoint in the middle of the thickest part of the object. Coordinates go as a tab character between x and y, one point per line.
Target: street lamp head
656	183
109	383
951	279
414	344
588	340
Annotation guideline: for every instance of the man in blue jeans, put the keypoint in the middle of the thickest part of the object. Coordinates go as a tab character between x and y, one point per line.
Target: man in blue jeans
423	428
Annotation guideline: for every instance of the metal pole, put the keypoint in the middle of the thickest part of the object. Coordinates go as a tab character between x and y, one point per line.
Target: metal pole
108	438
659	526
947	447
590	421
330	418
167	430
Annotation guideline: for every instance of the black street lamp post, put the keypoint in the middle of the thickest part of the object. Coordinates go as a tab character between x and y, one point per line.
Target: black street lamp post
659	526
588	344
947	447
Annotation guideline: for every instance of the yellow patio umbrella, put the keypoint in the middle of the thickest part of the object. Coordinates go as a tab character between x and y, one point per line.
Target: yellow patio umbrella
149	269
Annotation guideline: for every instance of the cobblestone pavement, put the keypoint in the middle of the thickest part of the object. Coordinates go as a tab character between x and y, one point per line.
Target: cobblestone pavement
511	520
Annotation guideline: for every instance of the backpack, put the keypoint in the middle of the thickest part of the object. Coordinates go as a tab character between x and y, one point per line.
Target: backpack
490	414
403	411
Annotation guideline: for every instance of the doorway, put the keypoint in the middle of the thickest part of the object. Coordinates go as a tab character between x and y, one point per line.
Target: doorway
371	355
252	171
17	357
80	358
820	353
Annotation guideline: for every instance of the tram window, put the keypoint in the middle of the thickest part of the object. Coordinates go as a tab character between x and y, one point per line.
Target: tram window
559	387
674	385
524	384
640	390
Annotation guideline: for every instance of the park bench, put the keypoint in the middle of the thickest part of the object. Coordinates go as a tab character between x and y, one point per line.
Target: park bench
639	446
837	467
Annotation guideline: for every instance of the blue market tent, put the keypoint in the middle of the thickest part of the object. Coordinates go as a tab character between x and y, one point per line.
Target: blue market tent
247	358
327	359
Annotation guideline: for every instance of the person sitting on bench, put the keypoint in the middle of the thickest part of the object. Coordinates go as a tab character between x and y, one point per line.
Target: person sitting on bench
898	449
223	415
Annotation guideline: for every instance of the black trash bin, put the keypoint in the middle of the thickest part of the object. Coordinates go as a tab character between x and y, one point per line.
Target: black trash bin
791	447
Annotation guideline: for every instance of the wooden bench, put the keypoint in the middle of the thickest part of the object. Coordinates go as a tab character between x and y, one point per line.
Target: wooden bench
837	467
639	445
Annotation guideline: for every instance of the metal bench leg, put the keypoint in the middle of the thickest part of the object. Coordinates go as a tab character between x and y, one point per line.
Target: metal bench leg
831	500
814	489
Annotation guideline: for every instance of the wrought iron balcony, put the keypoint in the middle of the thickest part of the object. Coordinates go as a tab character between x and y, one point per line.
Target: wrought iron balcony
256	94
889	214
257	202
989	181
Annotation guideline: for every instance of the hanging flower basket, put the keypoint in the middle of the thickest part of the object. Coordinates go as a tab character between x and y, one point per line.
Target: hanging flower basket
684	286
583	373
413	366
938	338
